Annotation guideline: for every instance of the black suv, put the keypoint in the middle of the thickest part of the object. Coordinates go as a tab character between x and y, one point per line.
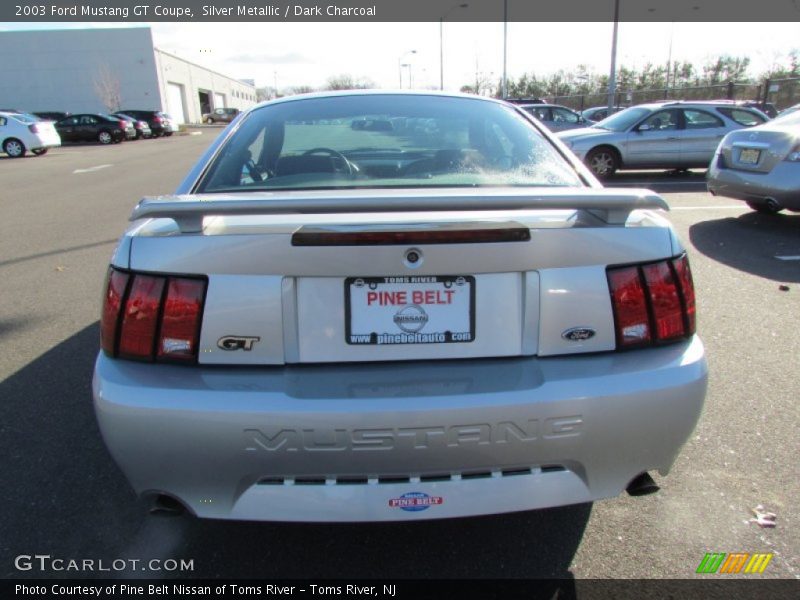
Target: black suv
155	118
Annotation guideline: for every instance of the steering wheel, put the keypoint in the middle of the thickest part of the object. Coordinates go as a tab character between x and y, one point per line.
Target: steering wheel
351	168
253	170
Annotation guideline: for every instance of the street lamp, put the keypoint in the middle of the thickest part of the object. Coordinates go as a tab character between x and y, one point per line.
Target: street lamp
400	65
410	82
612	76
441	41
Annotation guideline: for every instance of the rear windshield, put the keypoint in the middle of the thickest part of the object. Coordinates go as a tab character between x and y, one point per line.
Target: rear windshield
386	141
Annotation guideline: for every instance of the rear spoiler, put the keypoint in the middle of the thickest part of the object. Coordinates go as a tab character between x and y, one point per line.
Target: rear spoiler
610	205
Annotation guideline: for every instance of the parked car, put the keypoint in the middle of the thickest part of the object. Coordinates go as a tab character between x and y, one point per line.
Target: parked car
92	127
52	116
157	121
170	125
596	114
662	135
760	165
141	128
20	133
791	109
555	117
351	328
768	108
519	101
221	115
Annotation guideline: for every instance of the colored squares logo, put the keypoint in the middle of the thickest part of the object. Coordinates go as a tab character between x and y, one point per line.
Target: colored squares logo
733	563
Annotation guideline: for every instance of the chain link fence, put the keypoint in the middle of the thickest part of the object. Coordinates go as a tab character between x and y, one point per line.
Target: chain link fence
780	92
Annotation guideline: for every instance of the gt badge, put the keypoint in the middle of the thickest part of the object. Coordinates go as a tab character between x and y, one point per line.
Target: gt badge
237	342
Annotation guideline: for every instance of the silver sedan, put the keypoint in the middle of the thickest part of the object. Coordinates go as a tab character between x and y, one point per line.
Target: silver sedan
760	166
666	135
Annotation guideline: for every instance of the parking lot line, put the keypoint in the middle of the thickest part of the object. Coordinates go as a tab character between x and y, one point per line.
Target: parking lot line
91	169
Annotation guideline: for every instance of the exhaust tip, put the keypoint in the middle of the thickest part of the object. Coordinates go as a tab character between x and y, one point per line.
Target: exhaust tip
167	506
642	485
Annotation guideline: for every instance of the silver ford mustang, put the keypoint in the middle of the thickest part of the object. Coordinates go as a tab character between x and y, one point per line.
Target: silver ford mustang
442	316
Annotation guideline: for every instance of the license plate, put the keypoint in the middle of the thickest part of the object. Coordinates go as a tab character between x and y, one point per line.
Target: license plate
749	156
409	310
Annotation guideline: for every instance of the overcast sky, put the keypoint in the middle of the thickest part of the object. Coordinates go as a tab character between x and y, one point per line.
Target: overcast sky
308	53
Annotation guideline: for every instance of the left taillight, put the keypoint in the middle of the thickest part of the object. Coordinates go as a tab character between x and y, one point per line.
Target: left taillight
33	128
152	317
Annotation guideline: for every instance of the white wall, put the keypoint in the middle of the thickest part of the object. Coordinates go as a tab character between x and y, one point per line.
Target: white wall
193	78
56	70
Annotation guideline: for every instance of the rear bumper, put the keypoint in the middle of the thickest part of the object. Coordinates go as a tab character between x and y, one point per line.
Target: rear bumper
782	184
399	441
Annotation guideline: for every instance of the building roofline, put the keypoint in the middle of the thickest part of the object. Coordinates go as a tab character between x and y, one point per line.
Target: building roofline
199	66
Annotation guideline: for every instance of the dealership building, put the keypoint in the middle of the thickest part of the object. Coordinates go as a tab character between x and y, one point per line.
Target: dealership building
75	70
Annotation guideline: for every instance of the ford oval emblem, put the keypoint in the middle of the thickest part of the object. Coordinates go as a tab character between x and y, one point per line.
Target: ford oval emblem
578	334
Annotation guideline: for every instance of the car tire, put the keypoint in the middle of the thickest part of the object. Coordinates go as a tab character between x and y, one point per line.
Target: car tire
603	161
167	133
210	121
765	207
40	151
105	137
14	148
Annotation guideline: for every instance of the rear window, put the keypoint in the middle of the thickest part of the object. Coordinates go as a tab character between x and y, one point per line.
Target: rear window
386	140
747	118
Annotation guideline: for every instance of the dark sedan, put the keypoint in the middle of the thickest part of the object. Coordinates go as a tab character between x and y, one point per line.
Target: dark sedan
92	128
141	128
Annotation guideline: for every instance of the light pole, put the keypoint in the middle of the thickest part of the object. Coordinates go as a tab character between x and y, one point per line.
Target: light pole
669	60
612	76
504	90
400	65
441	41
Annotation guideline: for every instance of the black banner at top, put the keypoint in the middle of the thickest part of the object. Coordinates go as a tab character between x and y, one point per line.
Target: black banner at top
398	10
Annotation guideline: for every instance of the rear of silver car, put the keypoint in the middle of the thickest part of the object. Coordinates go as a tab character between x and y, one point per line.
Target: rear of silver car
397	354
760	166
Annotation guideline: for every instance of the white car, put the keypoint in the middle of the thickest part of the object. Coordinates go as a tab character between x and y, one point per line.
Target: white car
170	125
20	133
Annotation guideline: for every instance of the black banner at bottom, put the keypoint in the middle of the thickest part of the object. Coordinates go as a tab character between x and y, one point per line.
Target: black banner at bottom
553	589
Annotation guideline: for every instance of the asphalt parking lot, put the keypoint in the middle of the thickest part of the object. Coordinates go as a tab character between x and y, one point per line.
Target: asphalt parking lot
63	495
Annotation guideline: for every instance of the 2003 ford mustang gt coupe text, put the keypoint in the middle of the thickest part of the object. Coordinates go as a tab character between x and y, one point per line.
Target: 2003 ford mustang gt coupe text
443	317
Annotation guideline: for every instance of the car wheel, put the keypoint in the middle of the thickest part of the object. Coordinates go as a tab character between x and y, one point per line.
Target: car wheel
104	137
210	121
39	151
14	148
167	133
603	162
765	207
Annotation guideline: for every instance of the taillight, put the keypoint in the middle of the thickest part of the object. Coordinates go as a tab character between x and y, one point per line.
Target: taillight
631	320
152	317
180	324
140	317
123	124
157	119
117	283
652	303
33	128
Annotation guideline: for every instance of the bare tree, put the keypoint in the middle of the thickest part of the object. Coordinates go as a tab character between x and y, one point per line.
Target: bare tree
107	87
348	82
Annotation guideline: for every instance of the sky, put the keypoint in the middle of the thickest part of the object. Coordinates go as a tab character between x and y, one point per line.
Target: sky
294	54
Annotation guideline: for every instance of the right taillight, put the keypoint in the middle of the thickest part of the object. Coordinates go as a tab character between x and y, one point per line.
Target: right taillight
653	303
152	317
